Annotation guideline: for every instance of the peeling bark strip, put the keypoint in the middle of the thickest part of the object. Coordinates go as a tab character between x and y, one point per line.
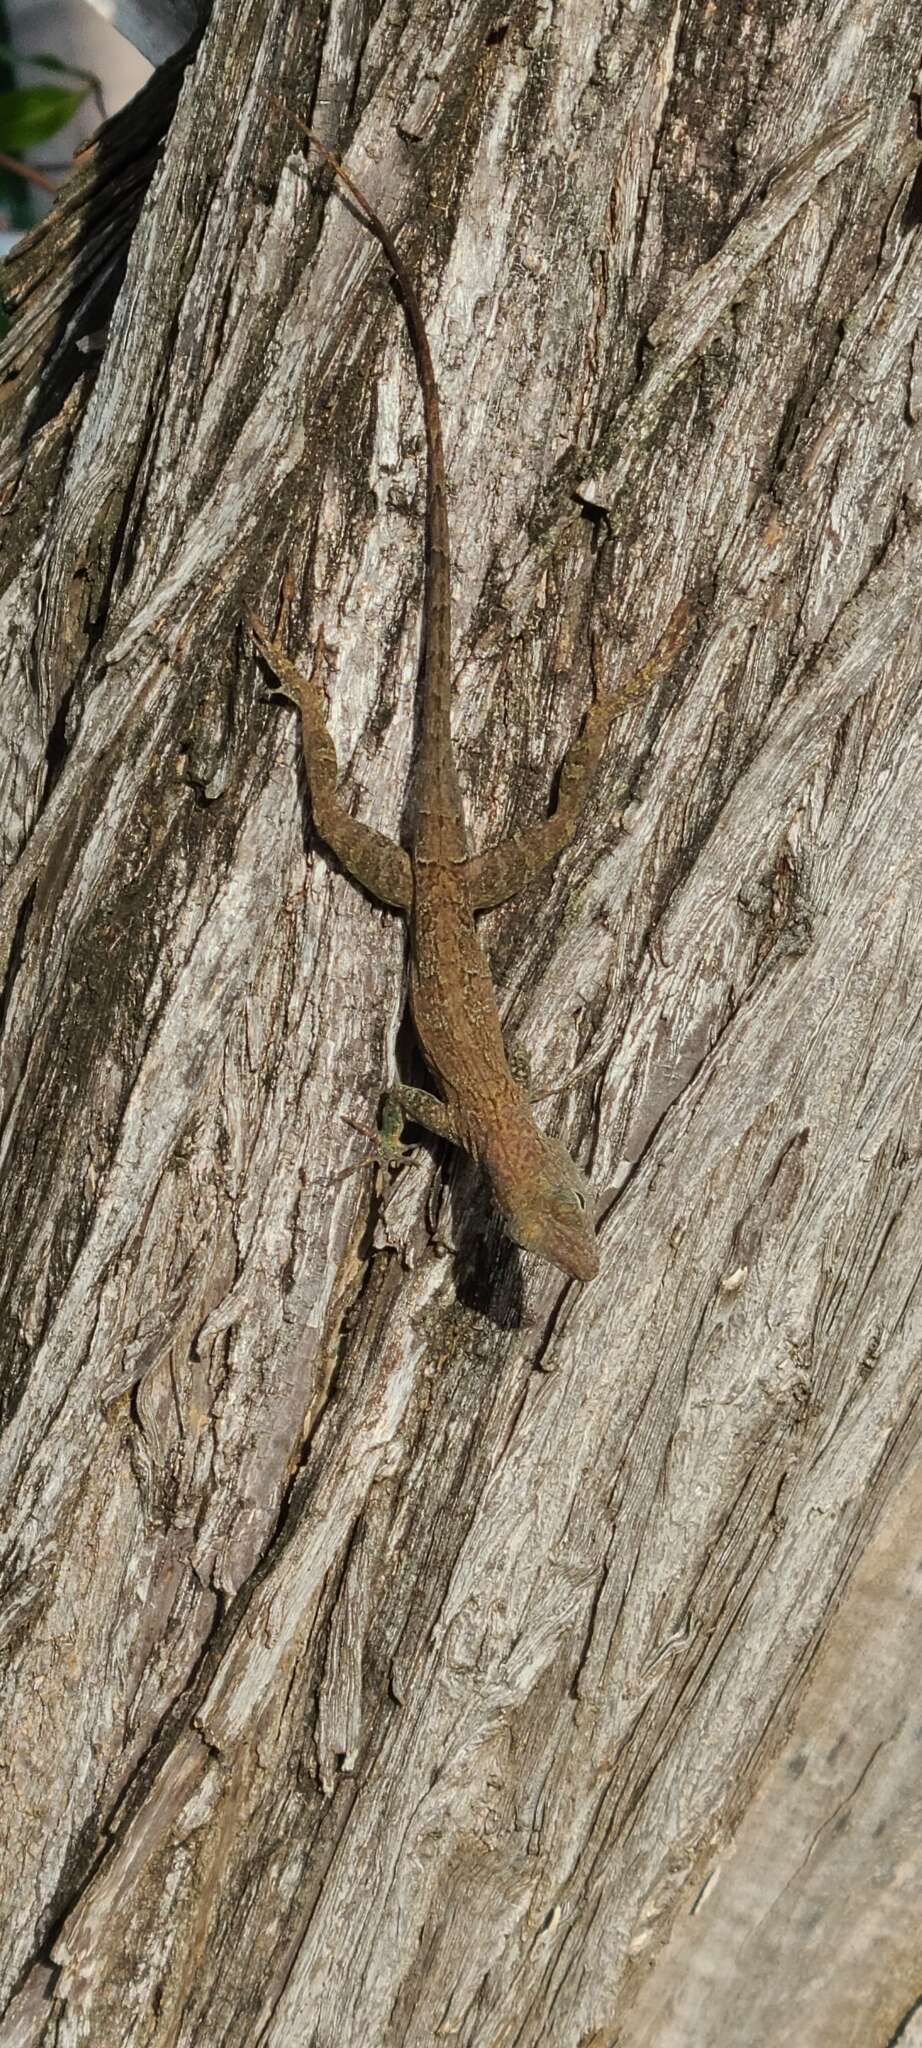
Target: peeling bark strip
361	1682
696	309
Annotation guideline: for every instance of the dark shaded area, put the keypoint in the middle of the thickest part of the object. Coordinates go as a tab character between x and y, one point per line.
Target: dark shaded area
912	211
85	239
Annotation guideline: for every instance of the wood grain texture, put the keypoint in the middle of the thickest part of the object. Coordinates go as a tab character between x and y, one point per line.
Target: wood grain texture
390	1637
807	1930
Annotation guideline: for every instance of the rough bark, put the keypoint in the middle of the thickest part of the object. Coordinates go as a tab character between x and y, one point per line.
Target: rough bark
807	1930
391	1635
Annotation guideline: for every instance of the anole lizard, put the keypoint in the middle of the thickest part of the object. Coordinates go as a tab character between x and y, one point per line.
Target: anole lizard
439	885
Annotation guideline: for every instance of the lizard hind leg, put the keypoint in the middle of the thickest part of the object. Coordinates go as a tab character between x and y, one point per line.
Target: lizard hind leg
376	863
500	871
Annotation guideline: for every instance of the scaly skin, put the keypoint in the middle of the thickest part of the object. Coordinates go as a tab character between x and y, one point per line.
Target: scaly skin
543	1196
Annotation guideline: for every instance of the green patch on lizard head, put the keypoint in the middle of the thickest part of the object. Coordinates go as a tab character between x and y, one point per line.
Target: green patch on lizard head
550	1212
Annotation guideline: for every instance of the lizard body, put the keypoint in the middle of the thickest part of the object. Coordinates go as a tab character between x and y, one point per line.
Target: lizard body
543	1195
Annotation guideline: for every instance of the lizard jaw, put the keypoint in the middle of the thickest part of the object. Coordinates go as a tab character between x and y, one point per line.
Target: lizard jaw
550	1213
567	1244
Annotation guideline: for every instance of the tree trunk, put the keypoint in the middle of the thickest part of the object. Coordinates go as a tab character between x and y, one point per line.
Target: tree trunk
394	1634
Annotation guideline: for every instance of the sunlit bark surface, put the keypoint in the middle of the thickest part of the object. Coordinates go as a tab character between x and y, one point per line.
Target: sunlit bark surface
394	1639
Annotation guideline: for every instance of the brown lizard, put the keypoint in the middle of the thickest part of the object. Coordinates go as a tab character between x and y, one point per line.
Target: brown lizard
439	885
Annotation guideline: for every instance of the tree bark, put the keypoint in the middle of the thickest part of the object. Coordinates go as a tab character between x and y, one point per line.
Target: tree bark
807	1929
393	1635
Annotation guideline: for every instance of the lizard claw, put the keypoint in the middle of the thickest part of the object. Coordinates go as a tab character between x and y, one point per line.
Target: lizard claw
387	1150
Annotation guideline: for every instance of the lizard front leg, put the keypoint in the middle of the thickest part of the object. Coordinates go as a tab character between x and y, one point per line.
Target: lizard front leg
417	1106
378	864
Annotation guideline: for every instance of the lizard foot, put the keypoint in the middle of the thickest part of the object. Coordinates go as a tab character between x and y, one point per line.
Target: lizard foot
519	1064
387	1148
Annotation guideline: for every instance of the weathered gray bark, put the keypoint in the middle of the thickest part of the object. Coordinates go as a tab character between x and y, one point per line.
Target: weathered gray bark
392	1639
807	1928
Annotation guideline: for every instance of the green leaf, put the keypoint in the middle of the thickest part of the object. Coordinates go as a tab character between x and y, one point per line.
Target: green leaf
32	113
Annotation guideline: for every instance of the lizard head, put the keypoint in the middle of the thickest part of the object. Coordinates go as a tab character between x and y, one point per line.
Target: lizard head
549	1211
